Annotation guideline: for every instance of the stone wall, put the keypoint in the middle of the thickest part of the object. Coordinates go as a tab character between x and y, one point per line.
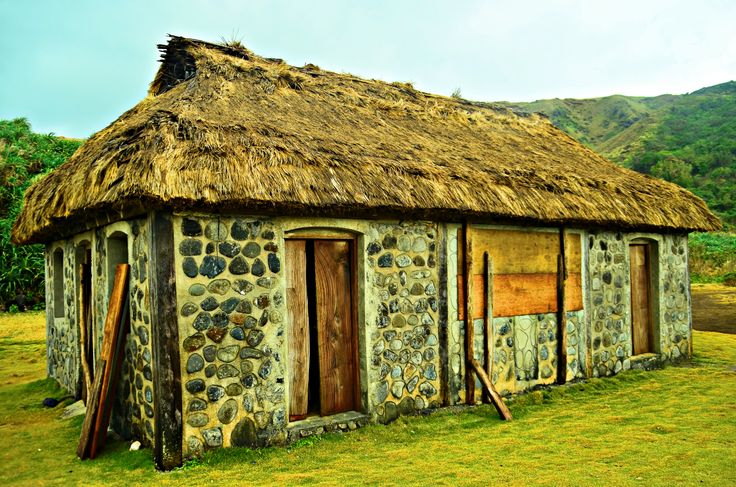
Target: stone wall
524	348
134	405
674	300
456	328
609	298
133	408
62	334
231	294
405	359
231	330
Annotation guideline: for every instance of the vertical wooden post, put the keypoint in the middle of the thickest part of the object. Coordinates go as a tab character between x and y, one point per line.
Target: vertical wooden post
167	448
561	315
441	252
83	328
488	316
468	309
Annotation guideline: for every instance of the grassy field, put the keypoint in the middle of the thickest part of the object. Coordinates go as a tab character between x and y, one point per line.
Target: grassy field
670	426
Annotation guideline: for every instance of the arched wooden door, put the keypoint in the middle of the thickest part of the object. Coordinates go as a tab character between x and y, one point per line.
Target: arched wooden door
322	333
641	309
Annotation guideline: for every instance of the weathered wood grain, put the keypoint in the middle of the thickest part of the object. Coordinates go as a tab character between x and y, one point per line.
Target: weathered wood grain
561	314
93	400
335	327
167	447
298	332
116	315
523	252
640	306
498	403
523	294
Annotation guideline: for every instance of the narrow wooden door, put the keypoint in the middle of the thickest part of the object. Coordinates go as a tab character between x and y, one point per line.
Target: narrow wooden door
641	315
335	326
298	333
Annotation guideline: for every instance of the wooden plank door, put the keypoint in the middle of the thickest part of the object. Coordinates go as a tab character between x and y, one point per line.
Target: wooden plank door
335	326
641	315
298	333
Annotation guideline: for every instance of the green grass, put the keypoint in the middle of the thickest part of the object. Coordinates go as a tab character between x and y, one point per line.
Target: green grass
670	426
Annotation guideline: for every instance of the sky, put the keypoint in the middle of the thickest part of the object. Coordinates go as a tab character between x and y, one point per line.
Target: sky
71	67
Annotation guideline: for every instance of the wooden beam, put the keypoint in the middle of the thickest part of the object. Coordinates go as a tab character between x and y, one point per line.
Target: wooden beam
116	365
93	399
500	406
84	319
167	447
561	314
467	307
441	253
117	313
488	316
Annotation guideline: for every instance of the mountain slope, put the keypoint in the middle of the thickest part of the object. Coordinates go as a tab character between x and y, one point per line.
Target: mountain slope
687	139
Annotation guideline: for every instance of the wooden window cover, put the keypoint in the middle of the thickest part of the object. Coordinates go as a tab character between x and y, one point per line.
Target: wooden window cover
525	272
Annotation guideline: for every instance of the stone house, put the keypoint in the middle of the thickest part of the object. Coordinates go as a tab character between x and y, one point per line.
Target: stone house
305	247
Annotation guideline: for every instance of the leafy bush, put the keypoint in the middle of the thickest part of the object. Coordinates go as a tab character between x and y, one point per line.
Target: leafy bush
712	256
24	156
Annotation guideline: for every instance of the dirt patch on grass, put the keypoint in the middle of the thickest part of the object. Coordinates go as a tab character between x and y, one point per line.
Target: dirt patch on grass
714	308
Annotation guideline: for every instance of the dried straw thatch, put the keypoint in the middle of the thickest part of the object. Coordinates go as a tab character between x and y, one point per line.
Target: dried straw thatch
223	130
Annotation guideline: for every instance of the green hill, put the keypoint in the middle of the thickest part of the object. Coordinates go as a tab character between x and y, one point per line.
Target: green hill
687	139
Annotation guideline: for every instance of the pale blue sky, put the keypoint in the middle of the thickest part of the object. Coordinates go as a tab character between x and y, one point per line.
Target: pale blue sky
72	67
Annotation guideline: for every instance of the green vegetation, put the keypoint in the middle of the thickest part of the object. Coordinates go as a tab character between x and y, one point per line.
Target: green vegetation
713	257
665	427
24	156
687	139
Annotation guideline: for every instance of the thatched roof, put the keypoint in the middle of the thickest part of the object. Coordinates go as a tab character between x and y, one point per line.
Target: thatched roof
225	130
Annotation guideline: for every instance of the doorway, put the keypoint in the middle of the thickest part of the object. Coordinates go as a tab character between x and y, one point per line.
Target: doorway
641	298
321	290
86	328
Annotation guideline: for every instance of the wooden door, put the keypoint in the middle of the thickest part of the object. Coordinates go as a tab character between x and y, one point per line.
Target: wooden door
641	315
335	326
298	333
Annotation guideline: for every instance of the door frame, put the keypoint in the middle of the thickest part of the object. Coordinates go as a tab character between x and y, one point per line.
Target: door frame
652	257
355	239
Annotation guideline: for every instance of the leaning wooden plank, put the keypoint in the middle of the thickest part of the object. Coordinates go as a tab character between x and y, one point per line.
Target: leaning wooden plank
116	364
112	327
501	407
93	399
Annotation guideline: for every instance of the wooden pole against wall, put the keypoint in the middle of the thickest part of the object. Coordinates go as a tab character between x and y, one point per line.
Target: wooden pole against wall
83	324
167	446
468	312
561	315
472	365
496	400
488	316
